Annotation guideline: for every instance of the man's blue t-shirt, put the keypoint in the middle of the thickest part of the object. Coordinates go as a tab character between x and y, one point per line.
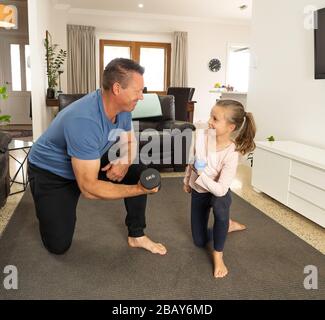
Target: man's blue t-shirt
81	130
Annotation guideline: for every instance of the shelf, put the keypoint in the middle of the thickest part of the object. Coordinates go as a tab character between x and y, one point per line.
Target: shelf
235	92
227	92
52	102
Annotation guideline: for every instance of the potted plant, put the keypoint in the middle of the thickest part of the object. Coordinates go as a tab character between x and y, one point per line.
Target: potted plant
5	118
54	61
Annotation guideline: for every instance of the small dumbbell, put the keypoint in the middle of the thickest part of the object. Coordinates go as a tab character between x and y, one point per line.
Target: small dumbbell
150	179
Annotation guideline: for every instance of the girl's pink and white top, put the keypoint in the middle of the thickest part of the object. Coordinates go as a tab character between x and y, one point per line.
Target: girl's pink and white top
219	173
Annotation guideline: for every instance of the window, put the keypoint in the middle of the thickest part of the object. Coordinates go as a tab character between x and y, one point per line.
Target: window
238	68
20	69
111	52
153	60
15	67
154	57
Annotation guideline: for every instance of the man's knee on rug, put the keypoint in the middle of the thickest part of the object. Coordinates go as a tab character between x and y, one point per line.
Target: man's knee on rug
200	241
57	247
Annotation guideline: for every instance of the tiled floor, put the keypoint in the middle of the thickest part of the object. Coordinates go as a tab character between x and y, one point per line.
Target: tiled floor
302	227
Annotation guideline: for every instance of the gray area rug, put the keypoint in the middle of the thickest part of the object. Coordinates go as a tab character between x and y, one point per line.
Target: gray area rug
265	262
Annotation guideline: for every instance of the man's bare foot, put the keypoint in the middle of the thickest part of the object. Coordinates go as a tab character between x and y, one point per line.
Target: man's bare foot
220	270
145	243
235	226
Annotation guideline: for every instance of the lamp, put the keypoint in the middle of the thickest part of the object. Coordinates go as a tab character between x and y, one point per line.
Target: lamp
8	16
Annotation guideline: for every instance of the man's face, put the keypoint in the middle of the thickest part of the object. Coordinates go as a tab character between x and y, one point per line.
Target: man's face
128	98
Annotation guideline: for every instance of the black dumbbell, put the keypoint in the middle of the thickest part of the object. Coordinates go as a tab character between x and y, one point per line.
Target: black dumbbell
150	179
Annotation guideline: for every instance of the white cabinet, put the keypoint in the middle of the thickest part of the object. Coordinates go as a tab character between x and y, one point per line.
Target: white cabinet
293	174
274	180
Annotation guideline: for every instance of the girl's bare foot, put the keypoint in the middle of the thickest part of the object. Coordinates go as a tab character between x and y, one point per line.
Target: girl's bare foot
145	243
235	226
220	270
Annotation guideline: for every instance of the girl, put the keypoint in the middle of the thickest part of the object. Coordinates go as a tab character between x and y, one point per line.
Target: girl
231	132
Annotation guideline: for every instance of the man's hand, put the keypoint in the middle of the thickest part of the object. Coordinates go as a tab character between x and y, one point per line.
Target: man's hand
187	188
116	172
147	191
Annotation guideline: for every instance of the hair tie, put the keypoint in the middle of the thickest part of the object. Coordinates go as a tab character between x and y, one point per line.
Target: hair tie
242	125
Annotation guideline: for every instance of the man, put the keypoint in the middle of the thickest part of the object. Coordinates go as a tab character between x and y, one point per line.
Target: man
71	158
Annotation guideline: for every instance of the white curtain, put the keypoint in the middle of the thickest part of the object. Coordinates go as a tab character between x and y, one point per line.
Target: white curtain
81	59
179	59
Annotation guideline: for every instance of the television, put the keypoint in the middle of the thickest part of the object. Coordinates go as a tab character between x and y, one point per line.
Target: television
320	44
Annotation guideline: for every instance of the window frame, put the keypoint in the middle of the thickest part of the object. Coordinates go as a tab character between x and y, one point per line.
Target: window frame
135	47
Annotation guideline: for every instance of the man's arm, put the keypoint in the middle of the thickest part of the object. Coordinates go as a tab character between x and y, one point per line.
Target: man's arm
128	148
86	172
117	169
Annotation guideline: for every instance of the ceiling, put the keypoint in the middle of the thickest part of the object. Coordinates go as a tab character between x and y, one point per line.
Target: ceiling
209	9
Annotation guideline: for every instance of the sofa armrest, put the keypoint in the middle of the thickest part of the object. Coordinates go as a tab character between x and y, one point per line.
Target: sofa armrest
5	139
174	124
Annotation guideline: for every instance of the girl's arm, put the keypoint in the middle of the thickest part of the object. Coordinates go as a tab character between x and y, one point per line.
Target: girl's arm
187	175
220	188
189	169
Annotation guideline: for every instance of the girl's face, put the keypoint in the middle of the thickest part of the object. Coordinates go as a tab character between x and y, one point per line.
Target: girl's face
218	121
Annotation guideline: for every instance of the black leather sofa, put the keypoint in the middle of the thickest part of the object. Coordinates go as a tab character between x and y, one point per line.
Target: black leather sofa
172	136
165	141
182	97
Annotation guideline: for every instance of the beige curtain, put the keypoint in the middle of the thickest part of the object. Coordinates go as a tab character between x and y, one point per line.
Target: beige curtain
81	59
179	59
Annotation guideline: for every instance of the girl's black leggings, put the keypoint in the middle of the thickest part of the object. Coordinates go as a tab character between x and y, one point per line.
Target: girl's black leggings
201	203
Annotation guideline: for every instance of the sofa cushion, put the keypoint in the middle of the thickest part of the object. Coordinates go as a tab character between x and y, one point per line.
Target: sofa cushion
143	125
171	125
148	107
167	104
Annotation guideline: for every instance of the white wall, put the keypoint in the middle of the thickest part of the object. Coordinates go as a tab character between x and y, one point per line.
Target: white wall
39	16
286	100
205	41
59	36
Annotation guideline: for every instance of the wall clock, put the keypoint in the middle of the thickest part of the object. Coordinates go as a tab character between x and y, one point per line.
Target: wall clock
214	65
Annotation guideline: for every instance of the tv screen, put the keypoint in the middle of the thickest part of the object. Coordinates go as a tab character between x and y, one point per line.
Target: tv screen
320	44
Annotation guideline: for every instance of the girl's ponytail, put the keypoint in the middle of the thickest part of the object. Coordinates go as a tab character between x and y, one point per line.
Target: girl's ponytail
245	138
